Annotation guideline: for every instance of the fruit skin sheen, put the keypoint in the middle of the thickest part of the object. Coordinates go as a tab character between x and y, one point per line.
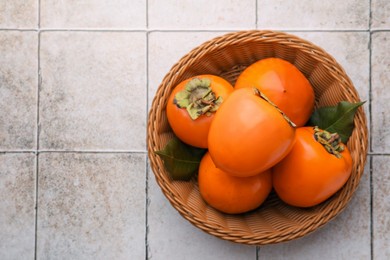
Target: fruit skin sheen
309	174
248	135
194	132
231	194
284	84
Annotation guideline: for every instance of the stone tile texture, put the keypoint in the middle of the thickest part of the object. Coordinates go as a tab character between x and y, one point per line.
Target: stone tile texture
93	93
380	14
313	15
381	207
18	90
119	14
201	14
21	14
91	206
380	95
17	206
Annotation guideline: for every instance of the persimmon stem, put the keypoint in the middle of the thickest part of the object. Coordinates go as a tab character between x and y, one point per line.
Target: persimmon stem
198	98
261	94
330	141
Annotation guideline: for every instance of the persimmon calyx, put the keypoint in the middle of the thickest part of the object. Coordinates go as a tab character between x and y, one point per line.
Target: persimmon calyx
261	94
330	141
198	98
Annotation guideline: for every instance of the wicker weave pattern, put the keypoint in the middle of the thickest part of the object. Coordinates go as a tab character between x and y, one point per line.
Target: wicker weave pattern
227	56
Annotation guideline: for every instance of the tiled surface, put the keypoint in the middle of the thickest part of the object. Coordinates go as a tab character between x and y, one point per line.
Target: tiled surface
381	205
202	14
86	106
21	14
313	15
17	203
380	95
18	89
91	206
380	14
76	81
119	14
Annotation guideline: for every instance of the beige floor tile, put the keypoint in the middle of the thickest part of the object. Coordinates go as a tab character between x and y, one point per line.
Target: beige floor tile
380	14
93	93
17	203
203	14
172	237
381	207
345	237
380	94
166	48
21	14
308	14
91	206
119	14
18	89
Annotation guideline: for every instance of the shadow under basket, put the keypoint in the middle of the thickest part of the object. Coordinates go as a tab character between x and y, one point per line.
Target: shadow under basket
227	56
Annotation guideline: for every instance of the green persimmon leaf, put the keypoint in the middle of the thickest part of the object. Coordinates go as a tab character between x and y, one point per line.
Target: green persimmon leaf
336	119
181	160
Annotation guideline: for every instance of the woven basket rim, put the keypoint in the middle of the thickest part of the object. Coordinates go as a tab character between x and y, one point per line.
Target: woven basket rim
219	42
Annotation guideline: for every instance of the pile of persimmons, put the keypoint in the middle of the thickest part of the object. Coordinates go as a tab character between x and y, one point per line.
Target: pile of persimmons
256	138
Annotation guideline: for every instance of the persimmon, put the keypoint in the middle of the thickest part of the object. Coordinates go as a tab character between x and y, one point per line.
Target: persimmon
231	194
284	84
248	134
316	168
191	107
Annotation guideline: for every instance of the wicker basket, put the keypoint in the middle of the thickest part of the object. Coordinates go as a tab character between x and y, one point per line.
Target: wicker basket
227	56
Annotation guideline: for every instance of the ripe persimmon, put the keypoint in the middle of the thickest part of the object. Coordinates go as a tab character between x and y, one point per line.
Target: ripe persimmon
285	85
248	134
317	167
191	107
231	194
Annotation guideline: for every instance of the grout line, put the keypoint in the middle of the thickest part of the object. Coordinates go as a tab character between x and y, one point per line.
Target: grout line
36	206
19	30
184	30
380	30
146	115
75	151
370	75
371	209
147	13
147	158
379	154
37	131
257	252
147	202
370	123
18	151
370	14
256	14
93	151
116	152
